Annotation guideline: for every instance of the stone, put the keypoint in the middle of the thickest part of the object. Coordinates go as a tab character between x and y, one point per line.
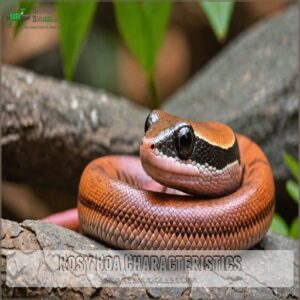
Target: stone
40	235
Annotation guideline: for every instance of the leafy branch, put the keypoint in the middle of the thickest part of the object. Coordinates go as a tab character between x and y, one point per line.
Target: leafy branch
142	25
75	19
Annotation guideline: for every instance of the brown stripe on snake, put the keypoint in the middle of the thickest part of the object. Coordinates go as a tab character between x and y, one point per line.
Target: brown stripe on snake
229	176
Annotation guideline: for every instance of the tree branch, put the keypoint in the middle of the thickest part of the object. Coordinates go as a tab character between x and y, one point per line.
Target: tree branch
51	129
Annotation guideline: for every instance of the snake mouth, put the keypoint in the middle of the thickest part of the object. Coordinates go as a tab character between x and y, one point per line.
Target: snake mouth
157	164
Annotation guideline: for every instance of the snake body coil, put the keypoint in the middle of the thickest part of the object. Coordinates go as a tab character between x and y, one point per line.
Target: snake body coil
228	176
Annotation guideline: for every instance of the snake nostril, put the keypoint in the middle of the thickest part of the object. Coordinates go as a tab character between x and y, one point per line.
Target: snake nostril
152	146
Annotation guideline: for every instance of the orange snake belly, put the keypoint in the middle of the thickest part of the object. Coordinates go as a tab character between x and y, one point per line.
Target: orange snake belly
119	204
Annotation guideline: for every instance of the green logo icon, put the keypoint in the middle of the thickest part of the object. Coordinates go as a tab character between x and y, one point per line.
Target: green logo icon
18	15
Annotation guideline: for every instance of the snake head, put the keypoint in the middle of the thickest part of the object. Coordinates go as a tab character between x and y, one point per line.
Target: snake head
195	157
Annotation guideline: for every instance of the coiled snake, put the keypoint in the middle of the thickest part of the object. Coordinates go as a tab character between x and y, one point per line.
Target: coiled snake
227	176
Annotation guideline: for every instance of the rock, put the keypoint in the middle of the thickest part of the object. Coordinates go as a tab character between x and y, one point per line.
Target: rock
253	86
39	235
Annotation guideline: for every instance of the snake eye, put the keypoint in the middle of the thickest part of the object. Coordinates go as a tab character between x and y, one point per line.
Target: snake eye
152	117
185	142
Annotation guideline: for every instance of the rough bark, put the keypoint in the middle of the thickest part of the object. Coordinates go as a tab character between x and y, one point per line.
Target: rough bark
38	235
52	129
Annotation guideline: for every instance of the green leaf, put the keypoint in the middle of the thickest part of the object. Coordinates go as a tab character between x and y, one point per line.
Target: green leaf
293	189
294	229
219	15
292	164
142	25
279	225
75	19
27	7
